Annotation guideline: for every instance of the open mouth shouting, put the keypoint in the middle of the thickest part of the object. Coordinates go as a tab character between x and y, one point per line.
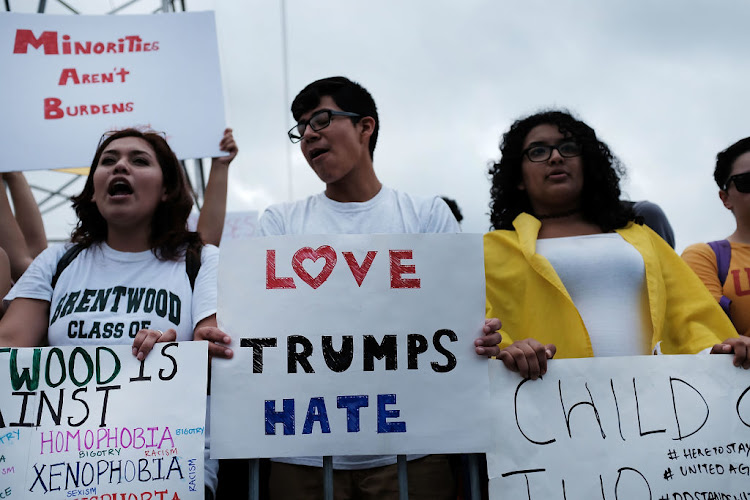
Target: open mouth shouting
119	188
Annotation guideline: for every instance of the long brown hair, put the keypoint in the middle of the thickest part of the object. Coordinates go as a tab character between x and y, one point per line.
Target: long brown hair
169	234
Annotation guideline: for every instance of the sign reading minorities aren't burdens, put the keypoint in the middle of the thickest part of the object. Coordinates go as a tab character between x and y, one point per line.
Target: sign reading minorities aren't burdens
95	423
350	345
629	428
68	79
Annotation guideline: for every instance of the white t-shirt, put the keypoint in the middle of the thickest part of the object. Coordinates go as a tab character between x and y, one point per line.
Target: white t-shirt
105	296
388	212
605	277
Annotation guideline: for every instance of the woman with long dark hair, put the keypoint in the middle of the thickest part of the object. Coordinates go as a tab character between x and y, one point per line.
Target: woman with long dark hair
569	269
133	273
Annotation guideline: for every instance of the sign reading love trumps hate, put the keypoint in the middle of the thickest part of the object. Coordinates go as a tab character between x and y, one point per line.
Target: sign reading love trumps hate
95	423
350	345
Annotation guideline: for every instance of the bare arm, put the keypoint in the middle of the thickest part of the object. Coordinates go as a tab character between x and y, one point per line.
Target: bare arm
211	219
12	240
27	212
25	323
5	281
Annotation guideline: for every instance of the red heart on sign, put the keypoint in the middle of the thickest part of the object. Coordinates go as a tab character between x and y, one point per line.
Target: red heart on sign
322	252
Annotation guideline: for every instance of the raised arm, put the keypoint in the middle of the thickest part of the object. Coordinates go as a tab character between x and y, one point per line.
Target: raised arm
12	240
27	212
211	219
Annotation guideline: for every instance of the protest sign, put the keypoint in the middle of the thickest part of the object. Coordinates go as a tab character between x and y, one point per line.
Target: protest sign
350	345
69	79
636	428
95	423
237	225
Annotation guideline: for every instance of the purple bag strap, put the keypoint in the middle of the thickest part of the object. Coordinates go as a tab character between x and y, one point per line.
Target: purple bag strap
723	251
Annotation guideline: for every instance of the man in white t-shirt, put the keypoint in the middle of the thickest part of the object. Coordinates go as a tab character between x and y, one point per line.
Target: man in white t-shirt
337	128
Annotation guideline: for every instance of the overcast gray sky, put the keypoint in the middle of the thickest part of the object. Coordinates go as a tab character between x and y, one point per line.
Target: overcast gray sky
663	83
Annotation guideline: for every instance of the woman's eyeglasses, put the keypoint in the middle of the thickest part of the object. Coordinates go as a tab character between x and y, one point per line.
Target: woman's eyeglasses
543	152
741	182
318	121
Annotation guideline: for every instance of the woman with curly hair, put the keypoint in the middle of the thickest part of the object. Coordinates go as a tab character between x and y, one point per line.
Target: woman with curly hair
569	269
133	273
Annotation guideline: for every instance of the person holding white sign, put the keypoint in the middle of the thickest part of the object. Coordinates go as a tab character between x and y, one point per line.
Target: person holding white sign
133	272
337	128
570	270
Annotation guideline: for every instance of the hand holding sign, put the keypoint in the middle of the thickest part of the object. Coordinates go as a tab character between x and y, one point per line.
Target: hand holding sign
344	342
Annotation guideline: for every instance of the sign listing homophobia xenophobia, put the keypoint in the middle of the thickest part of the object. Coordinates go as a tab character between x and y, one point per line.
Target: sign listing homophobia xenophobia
350	345
635	428
95	423
69	79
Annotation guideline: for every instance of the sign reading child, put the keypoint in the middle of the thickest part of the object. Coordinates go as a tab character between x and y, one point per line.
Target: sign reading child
96	423
635	428
350	344
68	79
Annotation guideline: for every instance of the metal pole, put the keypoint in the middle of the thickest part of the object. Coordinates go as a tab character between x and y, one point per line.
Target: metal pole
201	177
403	478
42	6
255	479
58	192
328	478
70	8
476	493
285	65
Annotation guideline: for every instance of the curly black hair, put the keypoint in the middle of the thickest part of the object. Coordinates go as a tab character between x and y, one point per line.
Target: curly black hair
169	237
600	199
725	159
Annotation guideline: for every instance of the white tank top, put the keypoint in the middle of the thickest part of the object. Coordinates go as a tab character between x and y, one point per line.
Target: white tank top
605	277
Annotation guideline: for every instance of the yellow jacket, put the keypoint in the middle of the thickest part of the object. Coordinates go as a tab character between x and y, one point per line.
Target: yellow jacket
525	293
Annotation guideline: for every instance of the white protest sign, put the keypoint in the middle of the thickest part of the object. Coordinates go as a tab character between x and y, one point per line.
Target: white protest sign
237	225
635	428
94	422
350	345
69	79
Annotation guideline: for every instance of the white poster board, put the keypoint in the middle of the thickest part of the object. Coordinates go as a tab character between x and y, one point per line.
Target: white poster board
69	79
237	225
94	422
350	345
635	428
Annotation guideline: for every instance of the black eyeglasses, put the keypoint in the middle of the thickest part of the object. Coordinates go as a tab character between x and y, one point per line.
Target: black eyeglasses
318	121
741	182
543	152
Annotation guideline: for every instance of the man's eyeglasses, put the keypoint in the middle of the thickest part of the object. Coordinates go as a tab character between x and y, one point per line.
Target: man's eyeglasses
543	152
318	121
741	182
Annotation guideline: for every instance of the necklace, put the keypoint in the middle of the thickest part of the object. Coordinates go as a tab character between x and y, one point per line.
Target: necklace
558	215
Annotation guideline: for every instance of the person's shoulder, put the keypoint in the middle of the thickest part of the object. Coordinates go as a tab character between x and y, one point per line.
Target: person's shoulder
53	253
645	207
432	212
698	250
209	251
501	237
